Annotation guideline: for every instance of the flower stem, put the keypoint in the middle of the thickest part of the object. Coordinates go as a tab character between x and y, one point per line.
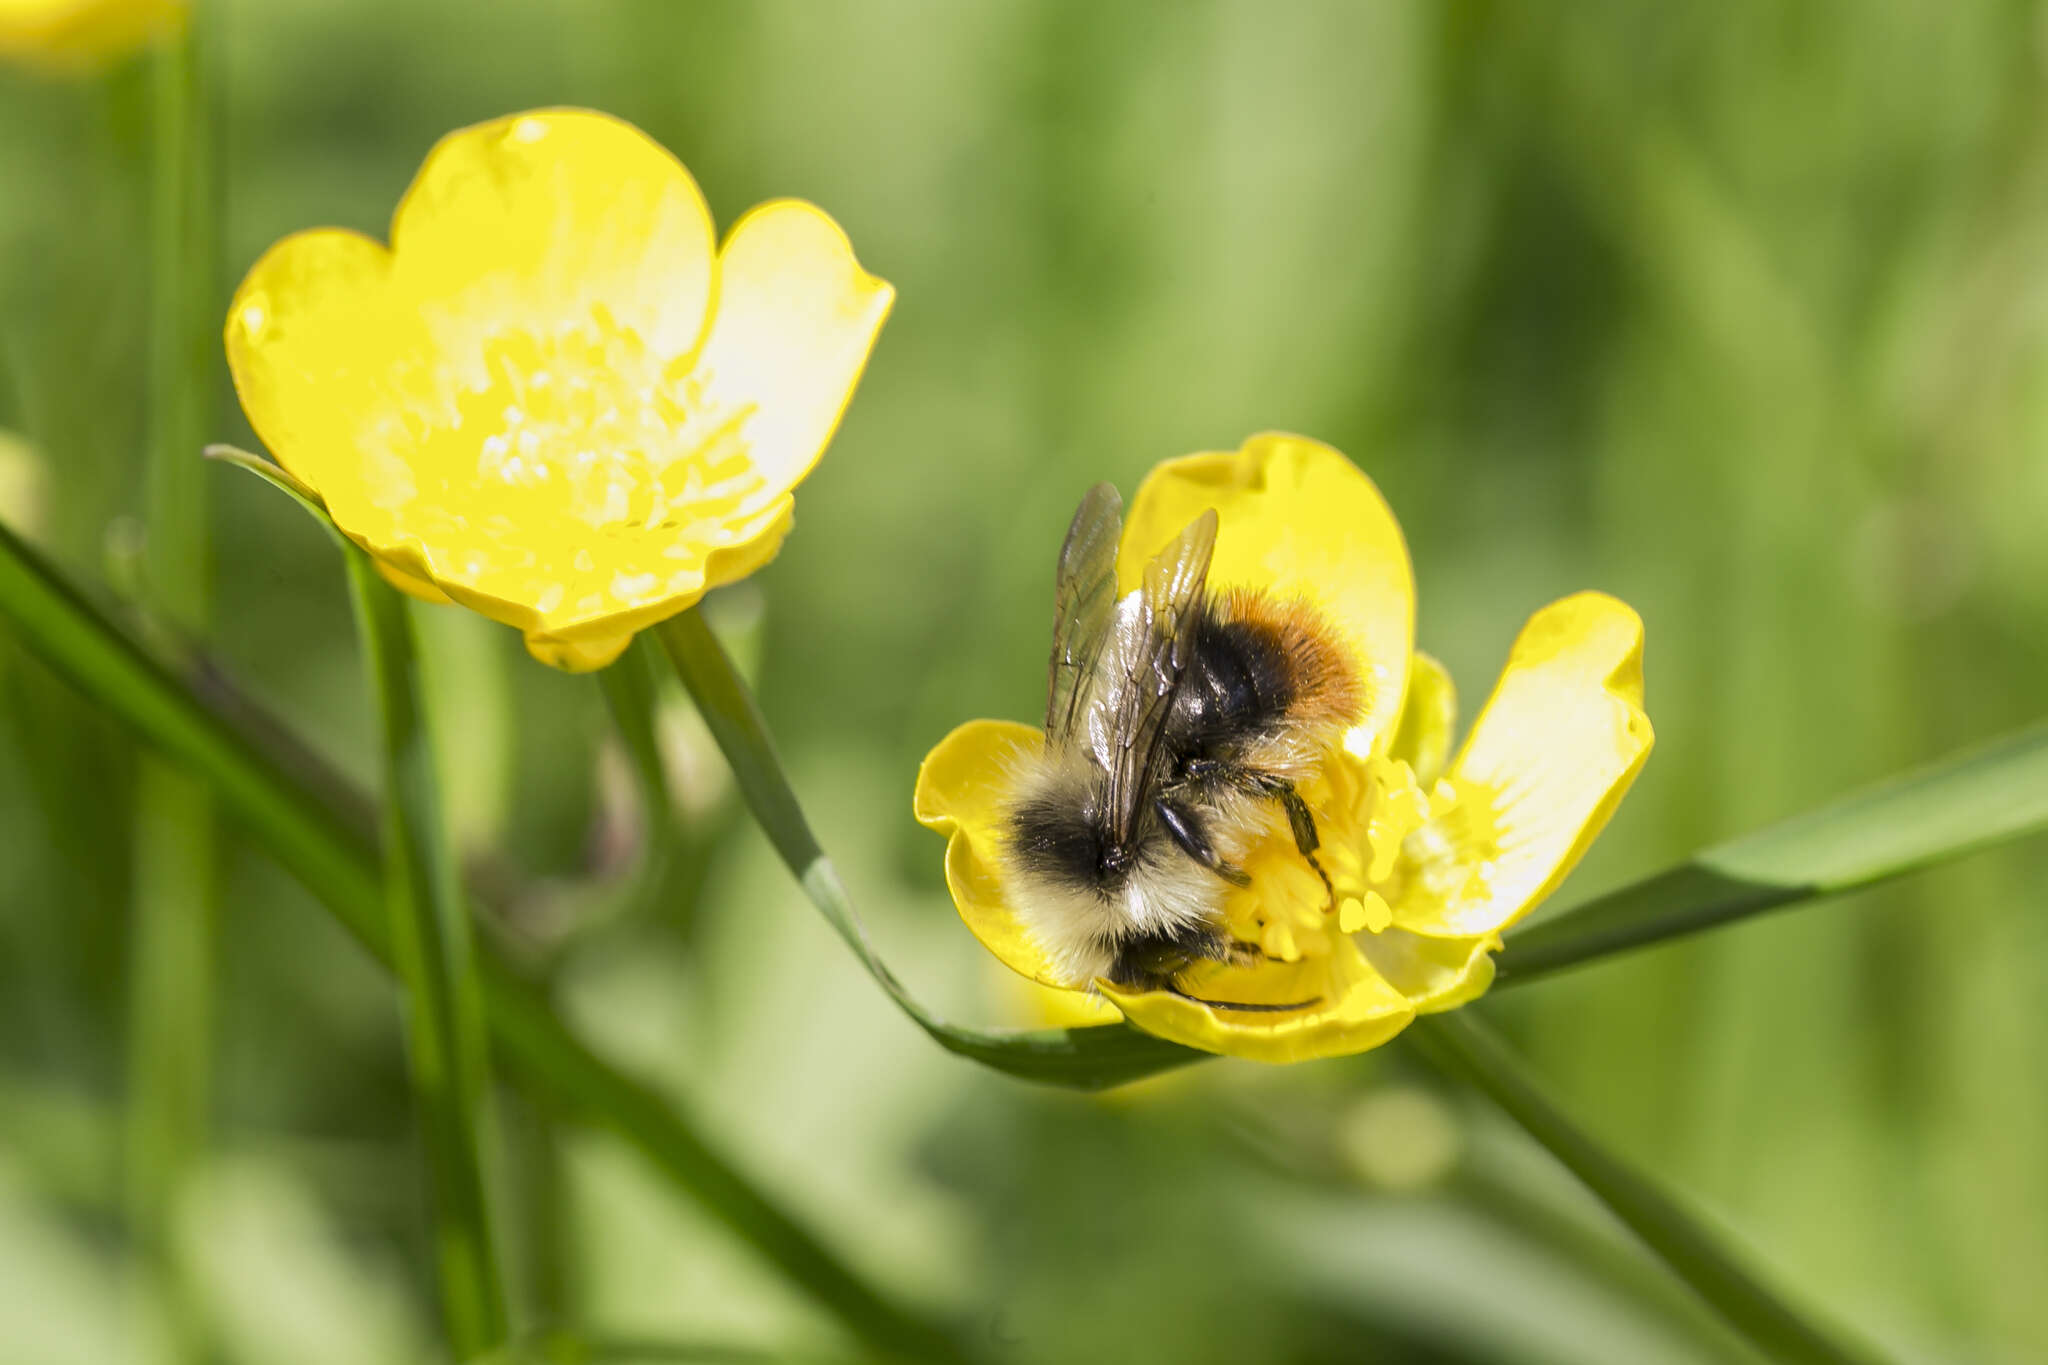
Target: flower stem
430	945
630	695
1458	1043
1090	1058
171	969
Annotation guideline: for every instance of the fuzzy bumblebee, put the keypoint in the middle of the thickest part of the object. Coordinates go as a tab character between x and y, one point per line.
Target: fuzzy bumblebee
1178	725
1244	823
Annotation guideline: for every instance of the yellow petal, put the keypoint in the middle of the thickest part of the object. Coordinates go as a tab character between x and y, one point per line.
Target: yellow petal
1428	718
73	35
408	582
577	656
585	647
960	790
532	220
310	336
795	321
1354	1009
1297	519
1547	762
1435	974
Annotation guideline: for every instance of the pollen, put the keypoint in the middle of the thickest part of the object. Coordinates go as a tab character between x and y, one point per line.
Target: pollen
1455	855
1283	909
1383	837
574	434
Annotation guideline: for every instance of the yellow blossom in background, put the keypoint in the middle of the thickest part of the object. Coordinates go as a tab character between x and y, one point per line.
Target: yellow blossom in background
75	34
555	398
24	485
1430	857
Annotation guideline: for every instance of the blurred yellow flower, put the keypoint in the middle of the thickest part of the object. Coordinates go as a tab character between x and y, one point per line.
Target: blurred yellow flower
554	399
72	34
1429	862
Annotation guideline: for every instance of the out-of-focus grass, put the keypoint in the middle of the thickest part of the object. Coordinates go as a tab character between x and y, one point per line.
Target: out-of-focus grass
1734	311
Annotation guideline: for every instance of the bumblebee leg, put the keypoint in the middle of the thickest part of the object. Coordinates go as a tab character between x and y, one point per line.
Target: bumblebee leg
1152	963
1303	822
1238	953
1246	1006
1185	828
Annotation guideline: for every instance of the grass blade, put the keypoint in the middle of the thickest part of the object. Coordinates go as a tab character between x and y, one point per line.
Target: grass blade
1080	1058
175	897
568	1348
1943	811
1460	1044
320	848
430	939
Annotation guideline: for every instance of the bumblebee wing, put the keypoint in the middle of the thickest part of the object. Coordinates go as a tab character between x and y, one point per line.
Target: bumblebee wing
1155	638
1084	603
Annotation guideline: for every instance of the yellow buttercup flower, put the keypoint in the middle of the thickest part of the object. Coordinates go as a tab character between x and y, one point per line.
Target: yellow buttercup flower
554	398
1430	858
78	33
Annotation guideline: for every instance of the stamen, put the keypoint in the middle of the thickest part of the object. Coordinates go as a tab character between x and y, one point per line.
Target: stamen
578	434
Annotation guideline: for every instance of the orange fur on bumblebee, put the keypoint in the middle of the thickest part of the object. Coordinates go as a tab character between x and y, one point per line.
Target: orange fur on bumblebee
1178	724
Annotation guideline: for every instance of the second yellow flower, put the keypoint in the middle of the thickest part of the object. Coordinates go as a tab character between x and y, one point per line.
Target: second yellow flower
554	398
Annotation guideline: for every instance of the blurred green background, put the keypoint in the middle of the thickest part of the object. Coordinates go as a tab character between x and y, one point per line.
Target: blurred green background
1738	311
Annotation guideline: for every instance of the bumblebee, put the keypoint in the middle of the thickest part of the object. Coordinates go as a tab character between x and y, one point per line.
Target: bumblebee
1178	725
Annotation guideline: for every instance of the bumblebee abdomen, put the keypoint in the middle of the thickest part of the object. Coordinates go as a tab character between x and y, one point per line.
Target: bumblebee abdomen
1078	894
1268	686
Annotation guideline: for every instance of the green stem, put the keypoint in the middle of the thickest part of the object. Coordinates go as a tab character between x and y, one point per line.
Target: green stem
299	823
1460	1044
430	942
184	330
170	1020
171	972
1083	1058
631	694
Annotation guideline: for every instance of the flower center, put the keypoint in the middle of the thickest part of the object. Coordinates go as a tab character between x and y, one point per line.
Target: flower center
594	428
1378	829
576	467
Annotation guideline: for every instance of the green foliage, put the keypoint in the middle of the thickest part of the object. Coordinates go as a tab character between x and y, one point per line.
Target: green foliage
338	865
1940	812
431	951
1731	311
1462	1045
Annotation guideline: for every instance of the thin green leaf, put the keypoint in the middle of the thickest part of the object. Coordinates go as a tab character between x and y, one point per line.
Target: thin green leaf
570	1348
1937	813
175	887
430	938
319	846
1080	1058
1460	1044
280	478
